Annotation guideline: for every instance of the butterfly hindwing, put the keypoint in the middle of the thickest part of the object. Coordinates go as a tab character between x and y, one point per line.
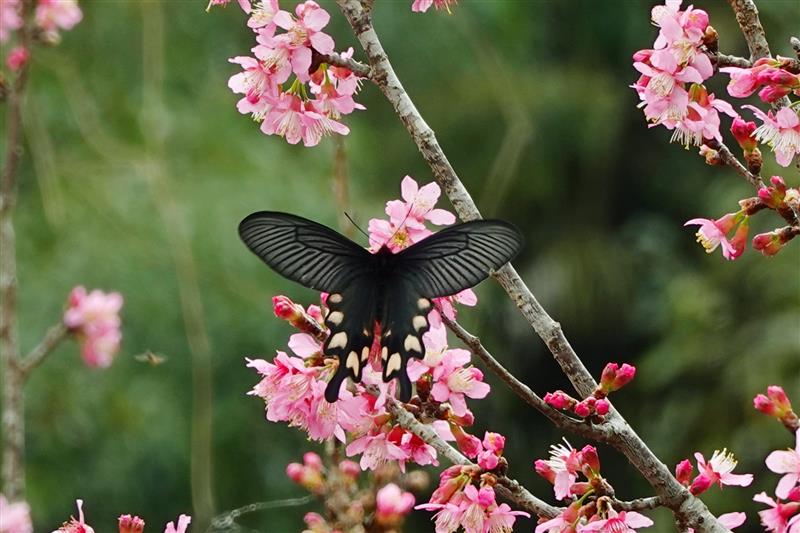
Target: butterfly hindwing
404	322
458	257
351	319
304	251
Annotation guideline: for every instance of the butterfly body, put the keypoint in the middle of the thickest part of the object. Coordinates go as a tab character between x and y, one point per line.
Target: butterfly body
383	291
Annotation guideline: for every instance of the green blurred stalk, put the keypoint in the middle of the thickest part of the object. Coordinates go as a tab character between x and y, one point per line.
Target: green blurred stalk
155	132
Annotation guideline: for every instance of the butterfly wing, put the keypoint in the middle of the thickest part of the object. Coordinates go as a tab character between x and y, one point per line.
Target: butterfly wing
444	264
403	324
458	257
351	320
304	251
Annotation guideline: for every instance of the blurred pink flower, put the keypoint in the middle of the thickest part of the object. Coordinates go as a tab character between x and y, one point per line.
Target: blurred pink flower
780	131
244	4
786	462
10	18
183	523
392	504
421	6
76	526
17	57
52	15
15	517
94	318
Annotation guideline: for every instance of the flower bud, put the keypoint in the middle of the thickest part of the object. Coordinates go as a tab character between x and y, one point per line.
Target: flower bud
773	93
544	469
739	240
768	244
602	406
559	400
743	132
683	472
130	524
582	409
285	308
590	459
17	58
488	460
350	469
469	445
494	442
700	484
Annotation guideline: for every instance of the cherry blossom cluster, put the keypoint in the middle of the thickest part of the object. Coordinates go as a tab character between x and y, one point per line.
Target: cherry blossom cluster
673	95
613	378
418	6
466	498
359	502
717	471
290	87
93	319
48	18
127	524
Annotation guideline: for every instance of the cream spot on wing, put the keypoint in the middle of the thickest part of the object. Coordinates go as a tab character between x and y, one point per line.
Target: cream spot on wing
423	304
394	364
364	354
335	318
338	341
412	344
419	322
335	298
352	362
384	353
387	333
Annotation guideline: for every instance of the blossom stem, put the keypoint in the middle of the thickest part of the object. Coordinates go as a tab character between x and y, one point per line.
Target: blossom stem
359	69
639	504
35	357
732	161
13	410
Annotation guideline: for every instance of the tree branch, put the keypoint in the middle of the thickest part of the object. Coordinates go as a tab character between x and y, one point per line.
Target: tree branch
508	488
725	60
36	356
687	508
359	69
727	157
639	504
559	419
747	17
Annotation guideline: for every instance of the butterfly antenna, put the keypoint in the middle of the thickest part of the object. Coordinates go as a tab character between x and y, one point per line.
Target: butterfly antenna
356	225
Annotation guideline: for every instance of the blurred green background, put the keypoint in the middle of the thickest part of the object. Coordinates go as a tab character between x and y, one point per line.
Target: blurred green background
134	145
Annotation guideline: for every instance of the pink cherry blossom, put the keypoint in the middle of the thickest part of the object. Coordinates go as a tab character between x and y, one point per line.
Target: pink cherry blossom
701	121
76	526
413	447
52	15
453	380
664	98
780	517
10	18
780	131
295	120
717	470
261	17
183	523
564	464
713	233
563	523
244	4
421	6
302	34
376	450
94	319
446	306
15	517
786	462
622	522
257	83
392	504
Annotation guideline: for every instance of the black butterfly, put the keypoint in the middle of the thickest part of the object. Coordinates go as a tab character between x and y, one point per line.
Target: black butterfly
391	289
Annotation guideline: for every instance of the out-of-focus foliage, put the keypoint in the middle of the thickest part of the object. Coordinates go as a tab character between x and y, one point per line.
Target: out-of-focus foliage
530	101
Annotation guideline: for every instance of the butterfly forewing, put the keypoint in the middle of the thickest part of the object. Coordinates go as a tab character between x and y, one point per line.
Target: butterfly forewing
303	251
458	257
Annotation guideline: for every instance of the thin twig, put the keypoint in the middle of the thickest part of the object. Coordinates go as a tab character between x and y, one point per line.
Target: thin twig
559	419
639	504
359	69
13	411
685	506
727	157
227	520
725	60
37	356
508	488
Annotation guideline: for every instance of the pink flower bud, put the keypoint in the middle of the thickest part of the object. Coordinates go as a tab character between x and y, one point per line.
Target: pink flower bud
488	460
683	472
602	406
559	400
391	505
465	420
778	183
350	469
295	472
582	409
776	76
130	524
17	58
642	56
469	445
494	442
614	377
743	132
773	93
284	307
486	497
739	240
590	459
312	460
624	376
543	468
451	481
768	243
700	484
